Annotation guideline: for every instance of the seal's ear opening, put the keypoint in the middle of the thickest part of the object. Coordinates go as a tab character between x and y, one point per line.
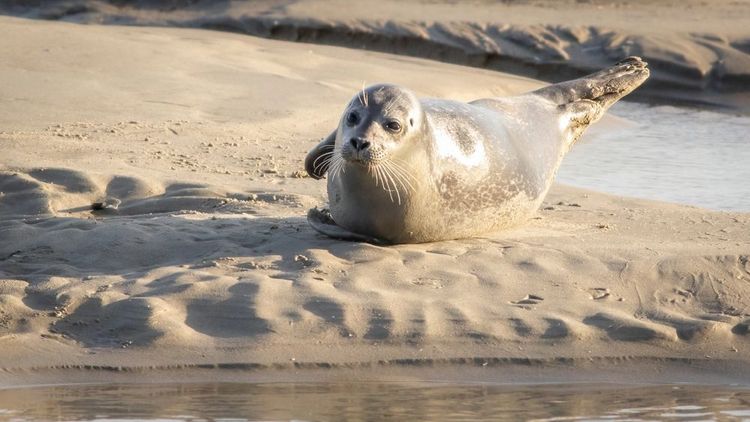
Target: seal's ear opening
411	122
319	158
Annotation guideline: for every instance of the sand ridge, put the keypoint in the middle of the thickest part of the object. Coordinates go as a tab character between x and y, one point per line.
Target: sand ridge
201	254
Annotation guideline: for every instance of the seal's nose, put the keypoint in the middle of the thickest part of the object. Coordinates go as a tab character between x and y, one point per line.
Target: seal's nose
359	144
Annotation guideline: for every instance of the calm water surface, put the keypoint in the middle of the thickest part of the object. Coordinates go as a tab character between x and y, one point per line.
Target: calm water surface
666	153
374	401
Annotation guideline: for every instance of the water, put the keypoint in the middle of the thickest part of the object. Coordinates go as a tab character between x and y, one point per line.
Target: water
668	153
374	401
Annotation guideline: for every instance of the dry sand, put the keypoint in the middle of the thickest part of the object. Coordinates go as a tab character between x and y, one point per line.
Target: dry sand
208	259
699	51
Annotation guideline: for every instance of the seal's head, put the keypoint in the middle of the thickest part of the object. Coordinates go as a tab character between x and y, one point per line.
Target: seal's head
378	125
379	142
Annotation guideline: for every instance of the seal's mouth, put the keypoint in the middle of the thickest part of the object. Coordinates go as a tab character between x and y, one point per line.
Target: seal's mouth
365	157
357	159
362	161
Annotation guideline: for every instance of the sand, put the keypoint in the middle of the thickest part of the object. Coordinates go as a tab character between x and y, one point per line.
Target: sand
699	51
193	140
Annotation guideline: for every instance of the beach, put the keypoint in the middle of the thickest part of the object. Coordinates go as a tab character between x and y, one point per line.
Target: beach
199	258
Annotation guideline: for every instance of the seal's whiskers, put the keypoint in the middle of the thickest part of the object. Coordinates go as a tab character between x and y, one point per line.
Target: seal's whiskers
371	171
393	178
389	175
377	172
363	99
325	161
399	177
388	181
337	166
403	172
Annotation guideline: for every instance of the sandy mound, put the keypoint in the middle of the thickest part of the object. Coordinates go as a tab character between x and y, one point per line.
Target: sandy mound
192	143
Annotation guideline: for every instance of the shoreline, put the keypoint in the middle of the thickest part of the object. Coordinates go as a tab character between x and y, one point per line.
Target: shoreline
500	372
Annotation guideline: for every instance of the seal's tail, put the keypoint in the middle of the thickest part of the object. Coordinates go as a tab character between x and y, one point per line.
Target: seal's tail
583	101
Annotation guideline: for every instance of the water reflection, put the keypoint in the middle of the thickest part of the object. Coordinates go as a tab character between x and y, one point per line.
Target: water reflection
374	401
669	153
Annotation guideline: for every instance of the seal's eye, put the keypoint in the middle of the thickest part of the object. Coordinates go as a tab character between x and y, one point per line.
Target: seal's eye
393	126
352	118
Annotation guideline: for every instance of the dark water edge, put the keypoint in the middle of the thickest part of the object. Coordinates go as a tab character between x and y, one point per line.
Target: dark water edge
551	53
375	401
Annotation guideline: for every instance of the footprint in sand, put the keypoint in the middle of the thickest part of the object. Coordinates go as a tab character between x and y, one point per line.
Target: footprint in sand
527	300
599	293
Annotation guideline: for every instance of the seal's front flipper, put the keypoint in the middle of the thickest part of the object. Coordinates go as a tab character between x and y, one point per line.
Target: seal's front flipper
318	160
320	219
583	101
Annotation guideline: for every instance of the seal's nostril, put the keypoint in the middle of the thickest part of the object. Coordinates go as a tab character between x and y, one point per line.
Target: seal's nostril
359	144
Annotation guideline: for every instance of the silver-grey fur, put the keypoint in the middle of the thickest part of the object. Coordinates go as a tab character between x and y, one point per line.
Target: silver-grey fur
405	170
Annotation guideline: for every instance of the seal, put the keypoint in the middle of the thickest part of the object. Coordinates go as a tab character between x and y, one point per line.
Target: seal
402	169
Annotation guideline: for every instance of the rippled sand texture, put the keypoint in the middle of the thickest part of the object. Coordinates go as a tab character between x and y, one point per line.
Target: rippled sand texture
191	143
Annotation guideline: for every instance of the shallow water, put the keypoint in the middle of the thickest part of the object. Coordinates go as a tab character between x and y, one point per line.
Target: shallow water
374	401
666	153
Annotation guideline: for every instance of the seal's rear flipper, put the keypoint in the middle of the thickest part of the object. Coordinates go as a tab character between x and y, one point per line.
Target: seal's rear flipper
585	100
604	87
320	219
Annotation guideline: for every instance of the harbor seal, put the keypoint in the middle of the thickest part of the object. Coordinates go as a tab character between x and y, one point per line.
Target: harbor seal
407	170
